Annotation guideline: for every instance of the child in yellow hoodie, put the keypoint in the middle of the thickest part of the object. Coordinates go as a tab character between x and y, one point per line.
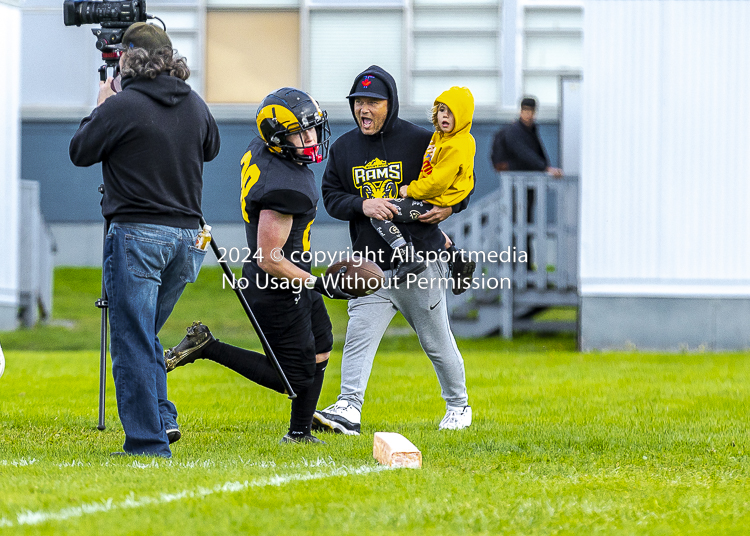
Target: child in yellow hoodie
446	179
447	176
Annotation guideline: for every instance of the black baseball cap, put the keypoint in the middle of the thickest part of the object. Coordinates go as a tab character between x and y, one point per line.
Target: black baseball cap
370	86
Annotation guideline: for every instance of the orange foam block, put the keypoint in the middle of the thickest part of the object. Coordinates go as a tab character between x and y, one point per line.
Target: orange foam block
394	450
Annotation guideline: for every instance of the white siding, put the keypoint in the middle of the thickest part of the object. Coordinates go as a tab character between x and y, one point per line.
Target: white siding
500	48
10	67
665	180
268	4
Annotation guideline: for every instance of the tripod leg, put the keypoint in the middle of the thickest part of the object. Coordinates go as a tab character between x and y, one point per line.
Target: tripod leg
103	304
103	361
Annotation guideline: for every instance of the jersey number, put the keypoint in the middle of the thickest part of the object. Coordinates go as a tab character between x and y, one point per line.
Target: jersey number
250	175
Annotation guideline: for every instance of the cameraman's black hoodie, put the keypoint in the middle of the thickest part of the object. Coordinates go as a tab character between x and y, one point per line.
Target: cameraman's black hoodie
360	167
152	140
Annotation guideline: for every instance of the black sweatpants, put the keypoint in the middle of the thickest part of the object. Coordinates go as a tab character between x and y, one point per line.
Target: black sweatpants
297	327
408	211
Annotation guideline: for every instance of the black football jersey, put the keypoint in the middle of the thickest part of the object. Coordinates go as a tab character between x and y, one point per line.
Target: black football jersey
271	182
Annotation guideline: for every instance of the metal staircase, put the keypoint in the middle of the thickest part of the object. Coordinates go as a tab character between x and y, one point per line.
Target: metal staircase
527	256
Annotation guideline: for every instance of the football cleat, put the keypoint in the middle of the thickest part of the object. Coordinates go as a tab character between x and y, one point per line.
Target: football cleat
190	348
341	417
456	418
307	438
462	272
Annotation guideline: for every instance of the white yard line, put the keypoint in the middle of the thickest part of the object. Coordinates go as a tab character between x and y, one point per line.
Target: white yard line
35	518
23	462
191	464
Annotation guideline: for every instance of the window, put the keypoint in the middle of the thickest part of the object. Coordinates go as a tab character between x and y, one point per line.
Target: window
344	43
249	54
553	38
455	44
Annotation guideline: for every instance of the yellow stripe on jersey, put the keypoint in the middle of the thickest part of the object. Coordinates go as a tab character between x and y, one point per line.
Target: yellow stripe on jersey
250	175
306	236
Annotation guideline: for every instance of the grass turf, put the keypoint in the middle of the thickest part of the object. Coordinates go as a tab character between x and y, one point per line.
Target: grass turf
562	442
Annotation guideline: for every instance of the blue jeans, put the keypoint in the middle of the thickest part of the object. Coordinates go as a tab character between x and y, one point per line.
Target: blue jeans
146	268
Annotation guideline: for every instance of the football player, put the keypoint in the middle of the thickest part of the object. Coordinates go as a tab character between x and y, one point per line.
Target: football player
279	200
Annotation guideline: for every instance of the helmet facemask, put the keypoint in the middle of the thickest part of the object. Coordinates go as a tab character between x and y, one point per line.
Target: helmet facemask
311	154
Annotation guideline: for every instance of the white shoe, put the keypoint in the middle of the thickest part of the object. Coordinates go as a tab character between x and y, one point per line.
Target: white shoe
456	418
2	361
341	417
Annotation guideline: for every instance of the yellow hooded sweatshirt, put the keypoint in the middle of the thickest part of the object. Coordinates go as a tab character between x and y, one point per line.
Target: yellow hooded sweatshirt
447	176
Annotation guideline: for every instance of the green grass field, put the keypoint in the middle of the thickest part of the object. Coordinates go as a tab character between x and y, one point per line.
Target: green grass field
562	442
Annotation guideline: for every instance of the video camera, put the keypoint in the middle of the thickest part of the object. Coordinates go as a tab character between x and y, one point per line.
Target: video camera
114	16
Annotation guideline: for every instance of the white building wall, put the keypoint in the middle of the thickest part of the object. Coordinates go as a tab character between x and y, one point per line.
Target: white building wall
665	181
10	67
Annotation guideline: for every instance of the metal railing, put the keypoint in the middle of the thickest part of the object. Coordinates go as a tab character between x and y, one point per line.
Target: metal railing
524	238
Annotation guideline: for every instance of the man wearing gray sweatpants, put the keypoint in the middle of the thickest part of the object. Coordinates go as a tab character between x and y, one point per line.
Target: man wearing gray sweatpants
366	166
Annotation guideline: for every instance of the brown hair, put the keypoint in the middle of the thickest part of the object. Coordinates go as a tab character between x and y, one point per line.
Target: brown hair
434	112
140	62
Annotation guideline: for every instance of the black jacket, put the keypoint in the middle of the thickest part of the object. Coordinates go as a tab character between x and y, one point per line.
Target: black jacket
363	167
521	147
152	139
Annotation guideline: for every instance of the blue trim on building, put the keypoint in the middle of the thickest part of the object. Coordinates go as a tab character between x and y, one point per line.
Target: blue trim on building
69	194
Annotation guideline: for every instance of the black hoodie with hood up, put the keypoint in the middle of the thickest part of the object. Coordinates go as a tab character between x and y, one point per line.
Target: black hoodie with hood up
152	139
362	167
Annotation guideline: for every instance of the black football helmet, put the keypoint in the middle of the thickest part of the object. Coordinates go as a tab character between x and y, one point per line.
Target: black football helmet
288	111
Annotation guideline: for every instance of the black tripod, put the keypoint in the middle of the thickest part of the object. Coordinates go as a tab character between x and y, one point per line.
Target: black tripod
103	304
111	61
111	58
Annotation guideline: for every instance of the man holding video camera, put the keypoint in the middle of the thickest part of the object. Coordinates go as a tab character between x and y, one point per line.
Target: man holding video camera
152	139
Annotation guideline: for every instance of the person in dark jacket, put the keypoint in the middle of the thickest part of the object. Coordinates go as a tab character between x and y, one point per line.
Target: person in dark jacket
152	139
518	147
366	167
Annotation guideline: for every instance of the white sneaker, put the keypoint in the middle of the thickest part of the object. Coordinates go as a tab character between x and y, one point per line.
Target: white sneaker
341	417
456	418
2	361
